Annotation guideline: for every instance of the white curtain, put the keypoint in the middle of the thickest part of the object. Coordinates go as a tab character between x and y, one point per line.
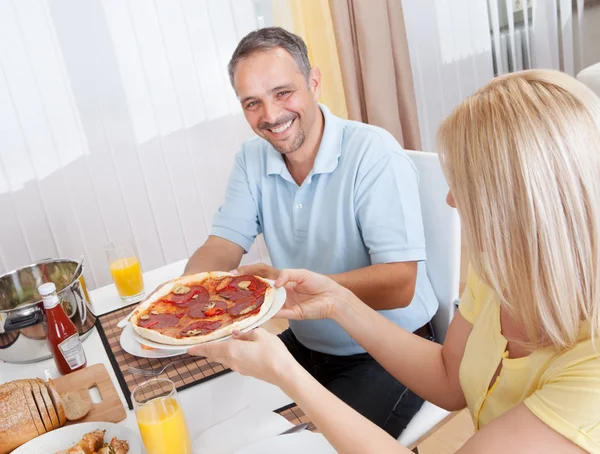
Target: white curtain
117	119
537	34
457	46
450	52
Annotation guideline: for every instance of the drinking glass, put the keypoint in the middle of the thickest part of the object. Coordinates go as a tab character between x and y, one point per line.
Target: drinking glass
160	418
125	269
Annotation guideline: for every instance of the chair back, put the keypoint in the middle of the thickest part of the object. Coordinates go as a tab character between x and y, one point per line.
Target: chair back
590	76
442	237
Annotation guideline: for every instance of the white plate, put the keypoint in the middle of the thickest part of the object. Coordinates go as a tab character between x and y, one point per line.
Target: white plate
278	302
65	437
133	347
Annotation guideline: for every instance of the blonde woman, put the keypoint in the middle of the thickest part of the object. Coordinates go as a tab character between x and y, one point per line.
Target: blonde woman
522	161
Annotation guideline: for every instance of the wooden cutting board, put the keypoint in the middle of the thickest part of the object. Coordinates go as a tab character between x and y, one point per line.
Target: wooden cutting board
110	409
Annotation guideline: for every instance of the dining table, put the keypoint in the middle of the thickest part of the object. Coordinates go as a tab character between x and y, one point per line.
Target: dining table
205	405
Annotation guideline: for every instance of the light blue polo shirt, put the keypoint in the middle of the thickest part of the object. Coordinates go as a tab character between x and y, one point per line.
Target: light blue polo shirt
359	206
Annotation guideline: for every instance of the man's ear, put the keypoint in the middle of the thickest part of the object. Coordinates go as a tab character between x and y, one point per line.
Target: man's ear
314	82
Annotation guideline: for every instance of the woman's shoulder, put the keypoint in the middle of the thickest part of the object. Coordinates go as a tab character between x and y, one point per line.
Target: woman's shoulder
583	359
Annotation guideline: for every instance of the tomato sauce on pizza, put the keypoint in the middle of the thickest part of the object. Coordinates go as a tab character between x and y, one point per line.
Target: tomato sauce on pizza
195	309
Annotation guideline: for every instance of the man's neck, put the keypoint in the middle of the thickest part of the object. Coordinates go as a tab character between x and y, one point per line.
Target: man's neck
300	162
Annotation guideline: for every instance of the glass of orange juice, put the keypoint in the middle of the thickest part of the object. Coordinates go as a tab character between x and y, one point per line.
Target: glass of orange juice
125	269
160	418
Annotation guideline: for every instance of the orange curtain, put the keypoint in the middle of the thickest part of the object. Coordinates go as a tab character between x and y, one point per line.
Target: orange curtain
311	19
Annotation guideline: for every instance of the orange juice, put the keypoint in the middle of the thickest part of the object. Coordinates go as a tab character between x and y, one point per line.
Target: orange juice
163	427
127	275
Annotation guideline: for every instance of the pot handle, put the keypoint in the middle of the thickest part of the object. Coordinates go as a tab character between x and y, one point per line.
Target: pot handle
81	306
24	320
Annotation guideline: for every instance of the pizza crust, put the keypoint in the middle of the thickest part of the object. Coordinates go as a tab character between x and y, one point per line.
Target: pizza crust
196	279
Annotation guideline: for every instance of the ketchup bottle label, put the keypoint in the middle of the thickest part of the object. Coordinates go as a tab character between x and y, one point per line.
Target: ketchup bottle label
72	351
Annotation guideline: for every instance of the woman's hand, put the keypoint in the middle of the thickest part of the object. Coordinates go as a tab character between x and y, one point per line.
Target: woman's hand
257	353
310	296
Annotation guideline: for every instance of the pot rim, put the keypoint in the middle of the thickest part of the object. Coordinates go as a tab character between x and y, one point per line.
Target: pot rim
38	263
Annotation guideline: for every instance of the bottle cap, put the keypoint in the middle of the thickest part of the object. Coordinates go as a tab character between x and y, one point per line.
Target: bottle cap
46	289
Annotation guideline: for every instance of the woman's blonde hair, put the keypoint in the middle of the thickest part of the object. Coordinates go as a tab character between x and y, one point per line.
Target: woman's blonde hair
522	159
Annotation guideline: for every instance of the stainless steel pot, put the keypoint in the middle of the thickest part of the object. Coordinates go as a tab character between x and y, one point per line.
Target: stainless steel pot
22	320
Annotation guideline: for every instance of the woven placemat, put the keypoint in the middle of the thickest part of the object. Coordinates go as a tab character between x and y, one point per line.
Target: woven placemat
185	374
294	414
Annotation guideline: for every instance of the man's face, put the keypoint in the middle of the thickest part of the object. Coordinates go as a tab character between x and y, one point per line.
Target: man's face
278	102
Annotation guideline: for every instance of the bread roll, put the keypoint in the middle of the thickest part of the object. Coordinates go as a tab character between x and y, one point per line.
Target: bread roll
16	422
75	407
49	404
56	400
33	409
39	400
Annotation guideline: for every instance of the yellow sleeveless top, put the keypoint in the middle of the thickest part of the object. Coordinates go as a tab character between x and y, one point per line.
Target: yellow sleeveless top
560	388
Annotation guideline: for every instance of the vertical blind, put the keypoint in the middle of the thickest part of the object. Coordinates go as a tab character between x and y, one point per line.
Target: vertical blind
451	57
537	34
457	46
117	120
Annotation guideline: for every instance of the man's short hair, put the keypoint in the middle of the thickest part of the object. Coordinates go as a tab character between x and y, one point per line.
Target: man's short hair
267	39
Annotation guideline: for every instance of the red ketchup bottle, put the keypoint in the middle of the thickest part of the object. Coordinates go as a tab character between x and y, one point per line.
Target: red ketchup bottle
61	332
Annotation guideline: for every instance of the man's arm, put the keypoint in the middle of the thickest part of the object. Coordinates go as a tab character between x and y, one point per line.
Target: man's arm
384	286
388	213
216	254
234	228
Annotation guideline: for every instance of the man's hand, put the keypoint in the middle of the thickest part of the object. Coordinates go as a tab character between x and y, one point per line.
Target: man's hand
259	269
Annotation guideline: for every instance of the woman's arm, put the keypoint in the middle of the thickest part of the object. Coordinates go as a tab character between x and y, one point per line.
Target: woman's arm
425	367
264	356
519	431
344	428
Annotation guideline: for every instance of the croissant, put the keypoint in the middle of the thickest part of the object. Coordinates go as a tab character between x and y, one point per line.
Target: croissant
89	443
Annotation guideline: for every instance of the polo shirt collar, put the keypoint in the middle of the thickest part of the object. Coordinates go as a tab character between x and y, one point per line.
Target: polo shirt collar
329	152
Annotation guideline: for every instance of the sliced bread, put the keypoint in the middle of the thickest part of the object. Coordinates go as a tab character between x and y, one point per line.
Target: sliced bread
75	406
41	405
33	409
16	423
60	410
49	404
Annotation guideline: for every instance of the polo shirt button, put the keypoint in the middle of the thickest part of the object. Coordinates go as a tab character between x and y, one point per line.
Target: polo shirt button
299	205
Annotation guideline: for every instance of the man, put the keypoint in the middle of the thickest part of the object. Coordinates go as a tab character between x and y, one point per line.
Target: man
334	196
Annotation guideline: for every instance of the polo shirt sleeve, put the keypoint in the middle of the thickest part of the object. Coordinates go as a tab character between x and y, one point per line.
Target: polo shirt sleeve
237	218
388	210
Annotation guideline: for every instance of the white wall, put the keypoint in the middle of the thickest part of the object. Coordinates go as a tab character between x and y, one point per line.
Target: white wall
116	119
591	36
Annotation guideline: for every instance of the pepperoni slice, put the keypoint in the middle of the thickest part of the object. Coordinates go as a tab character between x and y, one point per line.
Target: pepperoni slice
255	284
159	321
191	295
239	307
196	310
204	326
233	292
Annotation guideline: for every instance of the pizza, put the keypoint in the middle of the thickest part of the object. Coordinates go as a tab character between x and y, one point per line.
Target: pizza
202	307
